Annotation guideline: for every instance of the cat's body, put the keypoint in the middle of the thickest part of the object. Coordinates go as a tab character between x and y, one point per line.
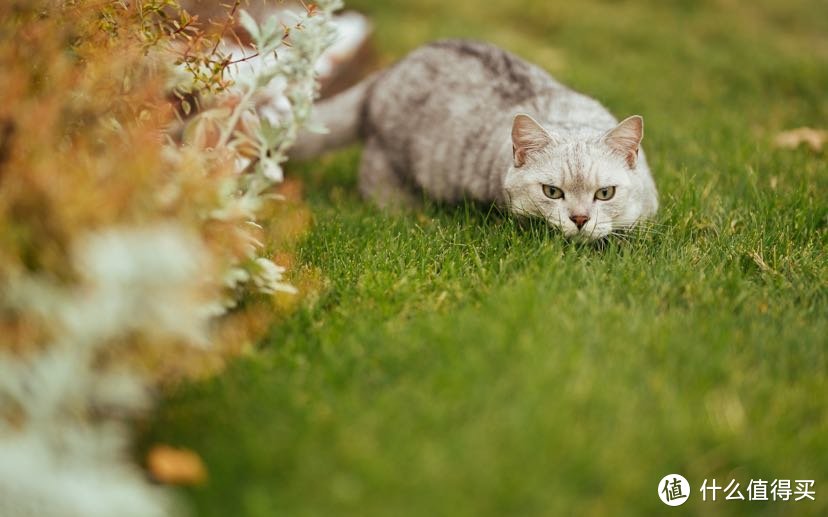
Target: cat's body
443	122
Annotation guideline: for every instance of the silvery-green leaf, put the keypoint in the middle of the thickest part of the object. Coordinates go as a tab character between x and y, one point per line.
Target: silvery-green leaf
272	170
317	127
250	25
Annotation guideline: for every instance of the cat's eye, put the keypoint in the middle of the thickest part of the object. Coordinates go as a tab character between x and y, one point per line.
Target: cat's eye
553	192
604	194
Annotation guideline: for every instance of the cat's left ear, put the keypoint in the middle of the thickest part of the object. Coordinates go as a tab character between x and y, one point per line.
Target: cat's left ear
625	138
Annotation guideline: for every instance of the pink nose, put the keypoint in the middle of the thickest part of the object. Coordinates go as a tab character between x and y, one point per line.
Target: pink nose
579	220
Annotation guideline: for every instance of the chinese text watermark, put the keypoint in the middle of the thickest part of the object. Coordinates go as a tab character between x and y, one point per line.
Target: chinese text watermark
674	490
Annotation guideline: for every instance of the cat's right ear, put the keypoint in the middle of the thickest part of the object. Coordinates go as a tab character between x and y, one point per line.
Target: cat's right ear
527	137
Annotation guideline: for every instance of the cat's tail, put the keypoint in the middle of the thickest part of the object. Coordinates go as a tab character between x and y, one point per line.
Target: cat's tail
341	115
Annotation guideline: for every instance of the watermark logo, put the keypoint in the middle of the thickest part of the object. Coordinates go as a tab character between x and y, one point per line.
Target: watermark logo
673	490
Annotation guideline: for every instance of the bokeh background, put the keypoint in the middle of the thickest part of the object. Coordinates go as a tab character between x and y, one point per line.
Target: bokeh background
450	362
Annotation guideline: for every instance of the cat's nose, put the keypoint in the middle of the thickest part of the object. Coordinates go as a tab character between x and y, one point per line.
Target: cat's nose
579	220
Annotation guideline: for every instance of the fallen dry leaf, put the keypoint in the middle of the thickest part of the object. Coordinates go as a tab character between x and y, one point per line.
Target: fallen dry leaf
814	138
173	466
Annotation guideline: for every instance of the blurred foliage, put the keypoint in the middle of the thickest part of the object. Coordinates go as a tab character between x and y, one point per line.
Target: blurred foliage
85	143
128	256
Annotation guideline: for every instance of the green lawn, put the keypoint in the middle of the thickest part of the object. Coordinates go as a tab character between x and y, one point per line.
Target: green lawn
457	363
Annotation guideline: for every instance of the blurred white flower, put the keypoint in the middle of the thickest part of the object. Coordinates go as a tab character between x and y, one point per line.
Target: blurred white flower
268	277
149	279
38	480
272	171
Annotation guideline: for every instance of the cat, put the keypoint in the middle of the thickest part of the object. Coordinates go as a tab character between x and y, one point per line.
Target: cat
458	119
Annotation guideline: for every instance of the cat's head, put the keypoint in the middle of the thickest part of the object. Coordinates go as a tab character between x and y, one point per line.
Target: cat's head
585	185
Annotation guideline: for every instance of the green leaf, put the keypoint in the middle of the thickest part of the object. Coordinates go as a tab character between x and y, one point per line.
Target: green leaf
250	25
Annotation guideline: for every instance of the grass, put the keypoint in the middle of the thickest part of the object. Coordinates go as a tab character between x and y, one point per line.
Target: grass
456	363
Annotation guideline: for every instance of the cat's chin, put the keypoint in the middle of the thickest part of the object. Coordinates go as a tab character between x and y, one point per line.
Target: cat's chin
587	237
582	236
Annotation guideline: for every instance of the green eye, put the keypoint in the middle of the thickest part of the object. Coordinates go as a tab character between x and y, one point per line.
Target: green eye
605	194
553	192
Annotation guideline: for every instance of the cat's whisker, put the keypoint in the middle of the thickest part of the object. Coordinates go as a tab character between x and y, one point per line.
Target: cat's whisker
622	236
631	232
641	227
655	229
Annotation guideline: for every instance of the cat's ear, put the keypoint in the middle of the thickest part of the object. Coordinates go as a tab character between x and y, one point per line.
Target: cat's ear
527	137
625	138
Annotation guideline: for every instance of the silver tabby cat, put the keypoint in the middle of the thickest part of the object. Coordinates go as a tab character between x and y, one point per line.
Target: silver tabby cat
461	120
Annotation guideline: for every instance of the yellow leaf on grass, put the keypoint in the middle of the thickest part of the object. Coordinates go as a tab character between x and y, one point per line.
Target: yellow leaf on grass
814	138
176	466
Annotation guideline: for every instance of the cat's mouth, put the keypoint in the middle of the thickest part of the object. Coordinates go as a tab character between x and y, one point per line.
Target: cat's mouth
582	236
587	233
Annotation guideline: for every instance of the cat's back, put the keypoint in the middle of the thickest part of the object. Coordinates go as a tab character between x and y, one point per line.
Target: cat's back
435	112
454	77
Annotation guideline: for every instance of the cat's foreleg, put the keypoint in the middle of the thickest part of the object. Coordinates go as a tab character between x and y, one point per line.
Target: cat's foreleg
379	183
